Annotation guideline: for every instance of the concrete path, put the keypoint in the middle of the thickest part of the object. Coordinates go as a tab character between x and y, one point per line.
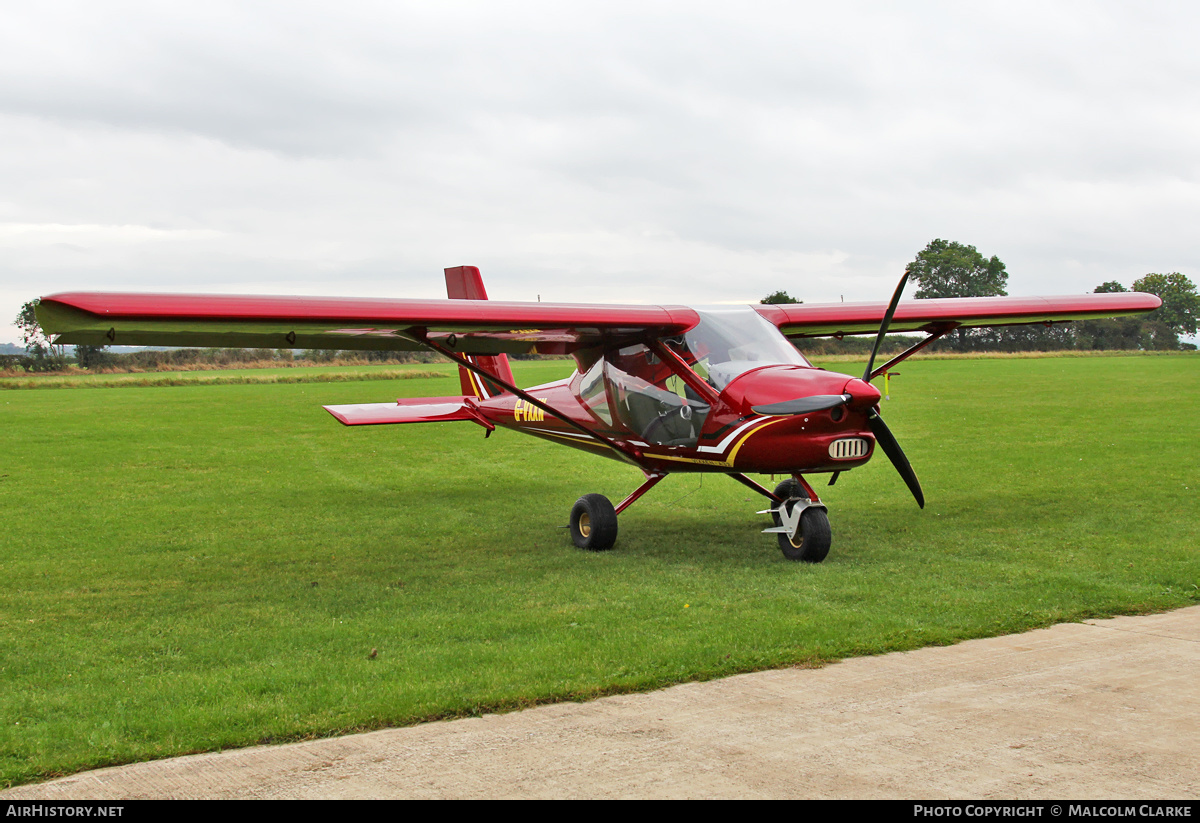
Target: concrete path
1095	710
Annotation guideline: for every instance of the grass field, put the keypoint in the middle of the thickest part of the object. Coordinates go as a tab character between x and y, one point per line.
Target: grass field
224	377
206	566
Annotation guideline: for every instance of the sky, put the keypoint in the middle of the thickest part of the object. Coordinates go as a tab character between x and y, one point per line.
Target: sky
615	152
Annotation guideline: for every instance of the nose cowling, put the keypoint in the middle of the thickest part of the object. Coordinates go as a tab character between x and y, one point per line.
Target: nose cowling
863	395
789	390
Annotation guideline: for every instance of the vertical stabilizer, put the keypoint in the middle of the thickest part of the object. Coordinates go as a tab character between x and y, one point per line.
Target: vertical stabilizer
466	283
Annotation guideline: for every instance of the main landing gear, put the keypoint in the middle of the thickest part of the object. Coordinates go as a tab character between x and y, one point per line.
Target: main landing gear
800	519
594	523
594	520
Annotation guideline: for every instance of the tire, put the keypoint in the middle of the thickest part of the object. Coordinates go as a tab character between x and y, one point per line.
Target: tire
593	523
790	488
813	541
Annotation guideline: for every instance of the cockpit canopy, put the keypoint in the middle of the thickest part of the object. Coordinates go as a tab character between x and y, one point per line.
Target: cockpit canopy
647	397
728	343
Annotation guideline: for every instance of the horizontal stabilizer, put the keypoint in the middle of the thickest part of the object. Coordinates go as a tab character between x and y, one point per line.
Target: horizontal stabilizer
411	410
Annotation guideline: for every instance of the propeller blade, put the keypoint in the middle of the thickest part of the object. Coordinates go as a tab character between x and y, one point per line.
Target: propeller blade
883	436
804	405
883	327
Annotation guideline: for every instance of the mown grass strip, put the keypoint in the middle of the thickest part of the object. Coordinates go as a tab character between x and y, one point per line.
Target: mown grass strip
193	569
266	374
215	378
1000	355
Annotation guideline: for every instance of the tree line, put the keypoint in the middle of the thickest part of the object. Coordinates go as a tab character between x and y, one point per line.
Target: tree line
950	269
942	269
42	355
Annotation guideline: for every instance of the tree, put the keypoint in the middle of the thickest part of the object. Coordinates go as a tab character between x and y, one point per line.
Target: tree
36	343
46	356
1181	305
1160	329
948	269
777	297
1112	332
93	357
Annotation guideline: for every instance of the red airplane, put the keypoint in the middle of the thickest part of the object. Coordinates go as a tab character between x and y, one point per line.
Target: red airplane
665	388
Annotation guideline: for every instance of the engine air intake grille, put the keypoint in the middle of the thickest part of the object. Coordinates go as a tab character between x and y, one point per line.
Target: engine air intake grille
849	448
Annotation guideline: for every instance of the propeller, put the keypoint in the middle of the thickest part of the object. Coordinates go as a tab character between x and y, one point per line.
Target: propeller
885	439
883	435
883	327
864	394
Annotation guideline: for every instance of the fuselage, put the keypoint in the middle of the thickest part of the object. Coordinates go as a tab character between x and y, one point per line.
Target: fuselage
687	404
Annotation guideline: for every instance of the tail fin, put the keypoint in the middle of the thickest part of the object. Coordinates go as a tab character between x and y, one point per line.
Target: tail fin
466	283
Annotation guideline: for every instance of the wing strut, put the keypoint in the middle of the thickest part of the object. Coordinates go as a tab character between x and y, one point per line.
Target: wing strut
620	448
685	372
941	330
652	479
743	479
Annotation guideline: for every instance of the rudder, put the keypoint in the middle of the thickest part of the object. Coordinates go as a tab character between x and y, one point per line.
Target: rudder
466	283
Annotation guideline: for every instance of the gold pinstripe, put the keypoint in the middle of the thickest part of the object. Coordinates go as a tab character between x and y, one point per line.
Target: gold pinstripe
474	384
566	438
727	462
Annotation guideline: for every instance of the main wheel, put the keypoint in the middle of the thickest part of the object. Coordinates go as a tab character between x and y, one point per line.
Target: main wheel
593	523
812	540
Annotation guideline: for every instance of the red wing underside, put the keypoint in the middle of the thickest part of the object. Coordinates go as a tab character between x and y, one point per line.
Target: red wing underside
465	326
492	327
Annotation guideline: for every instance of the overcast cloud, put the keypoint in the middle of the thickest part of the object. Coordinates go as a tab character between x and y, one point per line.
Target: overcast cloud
609	152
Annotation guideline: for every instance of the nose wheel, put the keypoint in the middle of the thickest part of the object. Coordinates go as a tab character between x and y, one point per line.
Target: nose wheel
801	525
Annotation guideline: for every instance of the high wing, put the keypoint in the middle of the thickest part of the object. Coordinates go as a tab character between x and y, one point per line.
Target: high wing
492	327
937	315
240	321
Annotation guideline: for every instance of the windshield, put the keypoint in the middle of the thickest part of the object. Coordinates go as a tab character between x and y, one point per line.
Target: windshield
725	344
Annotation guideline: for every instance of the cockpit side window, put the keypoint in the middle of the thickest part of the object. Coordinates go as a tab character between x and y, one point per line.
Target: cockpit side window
651	401
592	391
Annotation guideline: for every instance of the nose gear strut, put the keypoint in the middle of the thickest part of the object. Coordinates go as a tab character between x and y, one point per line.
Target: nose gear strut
801	521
